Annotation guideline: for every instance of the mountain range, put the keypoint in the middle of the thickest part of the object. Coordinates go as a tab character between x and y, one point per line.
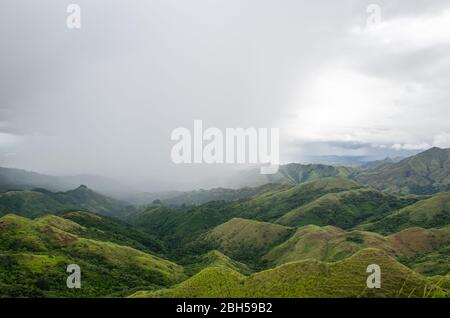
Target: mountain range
308	231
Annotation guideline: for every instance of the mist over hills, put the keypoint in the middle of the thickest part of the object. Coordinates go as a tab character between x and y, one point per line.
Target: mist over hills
321	223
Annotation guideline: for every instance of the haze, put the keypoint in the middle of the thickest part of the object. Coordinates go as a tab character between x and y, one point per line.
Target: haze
104	99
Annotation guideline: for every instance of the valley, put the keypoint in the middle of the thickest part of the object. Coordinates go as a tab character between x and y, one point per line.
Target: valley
308	231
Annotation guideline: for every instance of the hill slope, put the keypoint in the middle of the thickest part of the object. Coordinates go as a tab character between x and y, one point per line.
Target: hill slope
425	173
332	244
37	202
270	206
293	173
247	240
34	256
345	209
428	213
310	278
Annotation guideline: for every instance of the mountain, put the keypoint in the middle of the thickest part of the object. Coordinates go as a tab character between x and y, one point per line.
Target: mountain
247	240
37	202
345	209
34	255
178	226
104	228
425	173
18	179
201	196
378	163
214	258
309	278
272	205
331	244
293	173
428	213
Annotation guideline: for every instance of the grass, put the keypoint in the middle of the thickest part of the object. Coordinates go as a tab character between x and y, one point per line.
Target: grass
34	255
309	278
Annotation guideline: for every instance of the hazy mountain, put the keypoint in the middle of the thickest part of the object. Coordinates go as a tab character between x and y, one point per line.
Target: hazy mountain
38	202
293	173
17	179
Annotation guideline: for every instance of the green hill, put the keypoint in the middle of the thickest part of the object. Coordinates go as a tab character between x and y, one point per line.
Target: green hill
345	209
104	228
332	244
247	240
309	278
428	213
214	258
425	173
270	206
180	226
34	255
37	202
293	174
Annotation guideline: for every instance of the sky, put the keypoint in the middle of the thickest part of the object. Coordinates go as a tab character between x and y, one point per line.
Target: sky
104	99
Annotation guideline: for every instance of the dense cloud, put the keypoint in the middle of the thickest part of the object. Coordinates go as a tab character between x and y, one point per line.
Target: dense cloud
104	99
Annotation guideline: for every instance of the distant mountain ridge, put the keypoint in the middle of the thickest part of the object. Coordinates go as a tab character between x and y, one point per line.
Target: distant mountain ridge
425	173
38	202
19	179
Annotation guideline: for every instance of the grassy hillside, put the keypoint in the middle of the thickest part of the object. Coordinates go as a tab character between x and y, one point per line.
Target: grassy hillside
332	244
180	226
293	173
202	196
345	209
34	256
109	229
428	213
272	205
214	258
247	240
37	202
425	173
310	278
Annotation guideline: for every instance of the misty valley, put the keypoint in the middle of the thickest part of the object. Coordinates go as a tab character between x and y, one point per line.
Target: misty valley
380	230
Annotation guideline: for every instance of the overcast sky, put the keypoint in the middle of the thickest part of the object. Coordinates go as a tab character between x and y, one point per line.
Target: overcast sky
104	99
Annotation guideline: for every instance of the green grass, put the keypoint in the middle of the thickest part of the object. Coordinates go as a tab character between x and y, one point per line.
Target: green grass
309	278
332	244
247	240
345	209
34	255
428	213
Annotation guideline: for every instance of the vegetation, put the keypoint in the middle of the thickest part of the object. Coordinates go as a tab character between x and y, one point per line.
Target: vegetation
425	173
38	202
247	240
35	254
312	233
345	209
309	278
428	213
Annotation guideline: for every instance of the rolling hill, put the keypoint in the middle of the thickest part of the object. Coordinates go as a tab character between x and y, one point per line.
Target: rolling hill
34	255
272	205
179	226
424	173
37	202
332	244
292	173
247	240
309	278
345	209
428	213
